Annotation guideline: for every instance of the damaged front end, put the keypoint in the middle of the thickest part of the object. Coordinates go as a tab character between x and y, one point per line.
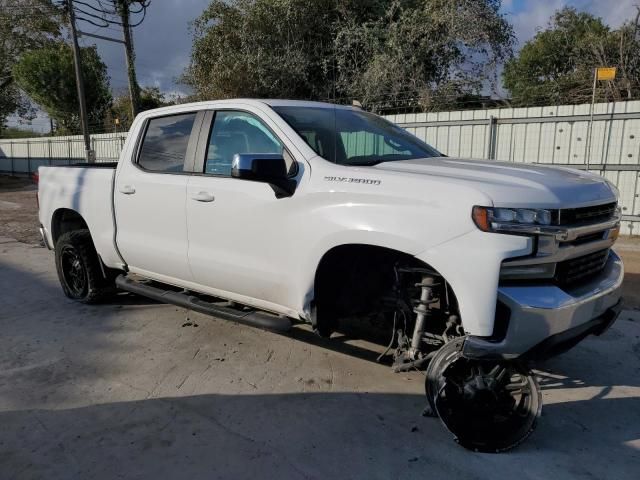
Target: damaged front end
548	300
489	405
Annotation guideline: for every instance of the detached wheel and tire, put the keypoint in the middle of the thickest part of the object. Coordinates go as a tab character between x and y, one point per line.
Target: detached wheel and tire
489	406
78	268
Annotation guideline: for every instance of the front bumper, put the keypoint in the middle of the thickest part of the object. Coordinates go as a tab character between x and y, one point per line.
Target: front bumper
545	320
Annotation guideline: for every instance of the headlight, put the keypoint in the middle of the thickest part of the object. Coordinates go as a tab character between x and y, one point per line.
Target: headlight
491	219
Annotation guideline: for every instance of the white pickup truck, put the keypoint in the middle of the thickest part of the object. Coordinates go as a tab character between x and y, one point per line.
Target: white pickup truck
268	212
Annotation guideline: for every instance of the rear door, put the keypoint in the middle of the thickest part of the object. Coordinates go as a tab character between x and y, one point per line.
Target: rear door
150	195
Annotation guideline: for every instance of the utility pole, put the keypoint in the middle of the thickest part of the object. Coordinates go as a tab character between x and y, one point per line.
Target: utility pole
593	102
80	84
134	89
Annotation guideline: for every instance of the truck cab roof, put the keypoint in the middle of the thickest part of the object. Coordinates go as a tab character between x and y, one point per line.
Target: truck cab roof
243	101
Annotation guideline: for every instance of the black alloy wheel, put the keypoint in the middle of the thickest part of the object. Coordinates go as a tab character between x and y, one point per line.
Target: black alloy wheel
74	272
489	406
82	276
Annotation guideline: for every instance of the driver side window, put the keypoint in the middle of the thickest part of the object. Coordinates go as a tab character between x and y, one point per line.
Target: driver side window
237	132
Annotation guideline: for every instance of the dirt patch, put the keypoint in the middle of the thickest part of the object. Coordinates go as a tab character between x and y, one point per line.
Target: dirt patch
18	210
629	249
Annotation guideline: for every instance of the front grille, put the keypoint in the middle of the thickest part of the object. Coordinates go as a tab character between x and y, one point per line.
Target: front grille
592	237
580	269
594	214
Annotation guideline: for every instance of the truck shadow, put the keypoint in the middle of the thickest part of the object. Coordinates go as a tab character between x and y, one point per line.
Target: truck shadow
338	343
631	290
303	435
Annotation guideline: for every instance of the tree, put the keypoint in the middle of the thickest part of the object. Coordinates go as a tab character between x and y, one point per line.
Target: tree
379	52
150	97
557	65
47	76
427	53
622	49
262	48
24	25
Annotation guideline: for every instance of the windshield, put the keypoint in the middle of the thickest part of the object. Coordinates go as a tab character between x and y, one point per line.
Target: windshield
354	137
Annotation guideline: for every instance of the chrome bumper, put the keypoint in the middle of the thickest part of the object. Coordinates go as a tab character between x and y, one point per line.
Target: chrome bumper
546	320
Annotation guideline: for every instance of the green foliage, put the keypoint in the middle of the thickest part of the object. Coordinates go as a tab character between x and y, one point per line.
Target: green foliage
262	48
150	97
13	132
430	53
47	76
380	52
557	65
24	25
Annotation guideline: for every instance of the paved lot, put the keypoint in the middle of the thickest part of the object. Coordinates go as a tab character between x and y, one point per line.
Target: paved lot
130	390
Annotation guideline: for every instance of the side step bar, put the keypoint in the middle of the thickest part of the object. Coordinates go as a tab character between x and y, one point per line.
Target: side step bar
252	318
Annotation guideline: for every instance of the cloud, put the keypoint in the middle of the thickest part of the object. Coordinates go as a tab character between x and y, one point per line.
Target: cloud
614	13
528	17
533	17
162	44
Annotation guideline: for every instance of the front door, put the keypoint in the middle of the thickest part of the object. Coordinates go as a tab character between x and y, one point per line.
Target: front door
234	245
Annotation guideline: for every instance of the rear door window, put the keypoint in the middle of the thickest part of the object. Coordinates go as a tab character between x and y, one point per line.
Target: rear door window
165	142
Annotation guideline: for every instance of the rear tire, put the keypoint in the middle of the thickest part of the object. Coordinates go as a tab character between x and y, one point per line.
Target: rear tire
79	269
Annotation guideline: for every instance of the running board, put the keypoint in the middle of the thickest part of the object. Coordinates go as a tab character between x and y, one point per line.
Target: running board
191	302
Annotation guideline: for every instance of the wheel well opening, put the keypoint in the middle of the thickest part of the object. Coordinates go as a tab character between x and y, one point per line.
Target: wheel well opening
66	220
357	289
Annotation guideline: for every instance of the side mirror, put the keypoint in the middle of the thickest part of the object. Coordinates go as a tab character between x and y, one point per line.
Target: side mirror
268	168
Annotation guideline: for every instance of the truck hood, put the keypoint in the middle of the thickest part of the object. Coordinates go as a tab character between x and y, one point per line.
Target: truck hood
514	185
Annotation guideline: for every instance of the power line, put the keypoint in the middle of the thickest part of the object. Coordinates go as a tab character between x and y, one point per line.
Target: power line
107	14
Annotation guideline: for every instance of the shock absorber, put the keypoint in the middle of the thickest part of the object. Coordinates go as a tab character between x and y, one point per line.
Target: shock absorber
423	312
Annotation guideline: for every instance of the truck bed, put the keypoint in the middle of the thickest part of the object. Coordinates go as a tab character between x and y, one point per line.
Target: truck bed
86	189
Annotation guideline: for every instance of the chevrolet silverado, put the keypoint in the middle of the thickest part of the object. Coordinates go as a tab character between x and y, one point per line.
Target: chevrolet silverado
268	212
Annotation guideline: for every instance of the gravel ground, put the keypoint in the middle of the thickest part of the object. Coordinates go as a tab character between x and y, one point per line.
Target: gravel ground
18	210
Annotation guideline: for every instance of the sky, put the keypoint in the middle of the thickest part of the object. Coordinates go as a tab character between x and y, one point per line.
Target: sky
163	41
528	16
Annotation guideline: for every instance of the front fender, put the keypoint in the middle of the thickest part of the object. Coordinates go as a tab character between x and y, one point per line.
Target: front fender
470	264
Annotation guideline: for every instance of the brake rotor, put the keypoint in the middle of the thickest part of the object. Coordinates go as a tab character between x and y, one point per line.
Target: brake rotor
488	406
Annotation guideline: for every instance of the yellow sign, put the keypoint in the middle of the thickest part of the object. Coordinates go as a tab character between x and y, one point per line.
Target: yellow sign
606	73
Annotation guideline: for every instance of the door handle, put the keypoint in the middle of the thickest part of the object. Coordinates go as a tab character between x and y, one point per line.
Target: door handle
127	189
203	197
